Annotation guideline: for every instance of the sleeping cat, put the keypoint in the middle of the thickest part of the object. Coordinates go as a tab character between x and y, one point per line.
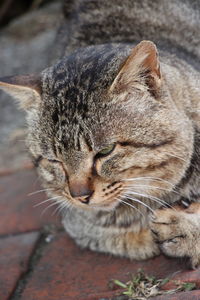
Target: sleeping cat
113	129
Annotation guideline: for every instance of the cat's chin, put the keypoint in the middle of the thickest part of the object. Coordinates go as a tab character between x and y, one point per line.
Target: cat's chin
107	207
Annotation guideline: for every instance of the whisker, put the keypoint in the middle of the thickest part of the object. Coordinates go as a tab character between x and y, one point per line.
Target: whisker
40	191
148	178
176	156
52	204
47	200
122	201
36	180
131	205
154	187
66	205
150	197
59	208
138	201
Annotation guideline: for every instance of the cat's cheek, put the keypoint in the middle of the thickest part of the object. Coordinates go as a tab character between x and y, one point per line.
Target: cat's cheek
107	170
60	176
114	167
46	175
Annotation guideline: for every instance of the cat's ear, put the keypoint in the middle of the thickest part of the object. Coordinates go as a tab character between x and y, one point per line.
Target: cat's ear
141	68
26	89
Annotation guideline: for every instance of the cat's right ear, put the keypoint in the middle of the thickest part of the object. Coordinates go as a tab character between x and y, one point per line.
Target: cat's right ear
26	89
140	69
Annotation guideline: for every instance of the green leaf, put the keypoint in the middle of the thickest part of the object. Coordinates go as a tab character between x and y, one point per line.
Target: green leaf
119	283
189	286
164	281
127	293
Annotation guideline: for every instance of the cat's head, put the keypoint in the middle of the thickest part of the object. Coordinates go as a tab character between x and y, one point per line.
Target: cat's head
102	127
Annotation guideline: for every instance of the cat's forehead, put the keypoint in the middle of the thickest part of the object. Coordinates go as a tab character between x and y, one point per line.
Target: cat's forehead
86	70
74	92
90	132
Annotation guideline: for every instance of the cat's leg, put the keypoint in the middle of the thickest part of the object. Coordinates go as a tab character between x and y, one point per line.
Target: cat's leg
177	232
134	242
138	246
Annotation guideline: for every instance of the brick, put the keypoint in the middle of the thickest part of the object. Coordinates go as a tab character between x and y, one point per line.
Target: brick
192	295
67	272
17	211
184	276
64	271
15	252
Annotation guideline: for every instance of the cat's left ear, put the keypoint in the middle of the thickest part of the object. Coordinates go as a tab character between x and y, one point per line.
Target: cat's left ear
140	69
26	89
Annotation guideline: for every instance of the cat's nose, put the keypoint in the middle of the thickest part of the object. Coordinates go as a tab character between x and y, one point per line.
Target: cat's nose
80	191
85	199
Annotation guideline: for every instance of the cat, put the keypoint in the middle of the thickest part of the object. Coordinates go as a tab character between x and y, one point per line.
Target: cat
113	127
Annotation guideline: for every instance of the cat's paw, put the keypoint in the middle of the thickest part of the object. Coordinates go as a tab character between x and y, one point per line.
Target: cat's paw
177	233
140	245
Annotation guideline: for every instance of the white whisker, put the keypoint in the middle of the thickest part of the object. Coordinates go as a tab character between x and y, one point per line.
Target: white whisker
47	200
131	205
138	201
52	204
153	187
148	178
67	205
180	158
60	207
40	191
158	200
176	156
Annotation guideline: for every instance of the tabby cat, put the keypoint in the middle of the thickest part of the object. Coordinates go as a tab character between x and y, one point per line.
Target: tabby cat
114	126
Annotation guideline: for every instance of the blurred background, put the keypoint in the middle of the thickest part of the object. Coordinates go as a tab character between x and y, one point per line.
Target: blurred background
10	9
27	34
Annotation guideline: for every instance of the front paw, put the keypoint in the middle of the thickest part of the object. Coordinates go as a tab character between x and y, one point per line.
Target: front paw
177	234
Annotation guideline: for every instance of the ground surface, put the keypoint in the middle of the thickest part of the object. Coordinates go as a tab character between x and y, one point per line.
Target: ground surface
39	261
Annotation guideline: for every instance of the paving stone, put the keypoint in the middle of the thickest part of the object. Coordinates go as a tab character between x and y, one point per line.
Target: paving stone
64	271
17	209
184	276
67	272
14	255
192	295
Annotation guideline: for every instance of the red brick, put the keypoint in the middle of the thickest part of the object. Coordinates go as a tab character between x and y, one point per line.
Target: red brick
193	295
184	276
64	271
14	254
17	211
67	272
192	276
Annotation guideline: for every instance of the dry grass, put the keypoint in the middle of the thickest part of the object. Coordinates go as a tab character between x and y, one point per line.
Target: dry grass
142	286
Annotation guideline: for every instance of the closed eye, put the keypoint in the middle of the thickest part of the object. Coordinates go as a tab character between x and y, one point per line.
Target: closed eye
40	158
54	161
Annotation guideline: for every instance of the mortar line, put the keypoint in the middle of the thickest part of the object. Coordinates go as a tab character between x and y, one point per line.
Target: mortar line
34	258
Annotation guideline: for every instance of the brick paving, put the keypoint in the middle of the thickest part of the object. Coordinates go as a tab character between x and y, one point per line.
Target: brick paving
38	261
14	255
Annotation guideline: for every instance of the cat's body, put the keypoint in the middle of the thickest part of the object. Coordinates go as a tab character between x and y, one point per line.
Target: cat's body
173	25
114	232
114	130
